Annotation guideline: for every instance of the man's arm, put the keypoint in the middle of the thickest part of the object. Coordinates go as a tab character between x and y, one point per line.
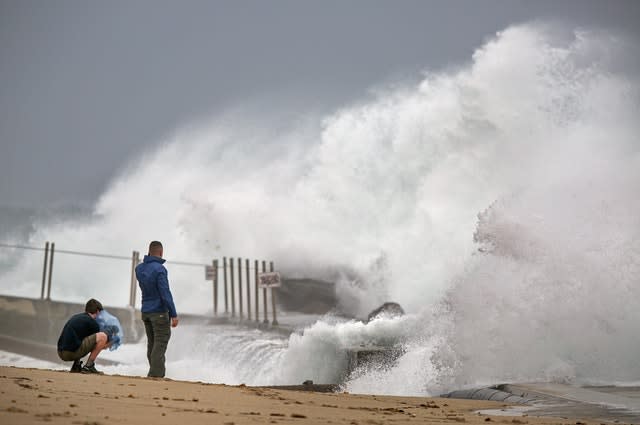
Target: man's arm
167	298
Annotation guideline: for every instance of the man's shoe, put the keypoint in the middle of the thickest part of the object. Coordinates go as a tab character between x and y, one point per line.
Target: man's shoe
76	367
90	369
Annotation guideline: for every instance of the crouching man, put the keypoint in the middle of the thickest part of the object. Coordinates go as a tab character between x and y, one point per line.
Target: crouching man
81	336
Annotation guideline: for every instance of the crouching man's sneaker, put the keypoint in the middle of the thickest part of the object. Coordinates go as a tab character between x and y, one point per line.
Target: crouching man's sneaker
90	369
76	367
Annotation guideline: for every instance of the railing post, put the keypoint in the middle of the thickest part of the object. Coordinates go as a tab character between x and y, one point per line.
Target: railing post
44	270
53	249
240	287
132	283
233	289
246	265
135	286
215	287
273	298
264	294
255	281
226	290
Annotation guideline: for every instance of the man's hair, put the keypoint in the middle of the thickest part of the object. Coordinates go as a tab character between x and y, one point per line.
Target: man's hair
93	306
155	247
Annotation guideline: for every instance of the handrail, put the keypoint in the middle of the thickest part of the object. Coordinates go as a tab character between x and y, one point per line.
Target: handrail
93	254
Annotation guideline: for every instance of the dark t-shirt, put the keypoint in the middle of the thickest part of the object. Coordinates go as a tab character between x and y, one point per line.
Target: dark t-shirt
77	328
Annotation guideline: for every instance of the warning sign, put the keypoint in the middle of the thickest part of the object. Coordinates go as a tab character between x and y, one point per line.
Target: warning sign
269	280
211	273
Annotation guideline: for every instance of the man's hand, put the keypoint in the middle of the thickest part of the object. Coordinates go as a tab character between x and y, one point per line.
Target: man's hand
174	322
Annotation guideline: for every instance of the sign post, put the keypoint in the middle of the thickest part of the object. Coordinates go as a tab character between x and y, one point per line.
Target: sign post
211	273
264	294
270	280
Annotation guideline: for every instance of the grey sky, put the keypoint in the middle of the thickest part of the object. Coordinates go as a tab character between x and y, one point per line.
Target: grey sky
86	84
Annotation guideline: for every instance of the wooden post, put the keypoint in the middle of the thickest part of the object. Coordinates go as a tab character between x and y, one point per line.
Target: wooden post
233	289
273	298
44	269
255	281
215	287
226	289
53	248
246	265
264	294
240	287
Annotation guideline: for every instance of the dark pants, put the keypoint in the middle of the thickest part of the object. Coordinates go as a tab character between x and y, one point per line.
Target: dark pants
88	344
158	328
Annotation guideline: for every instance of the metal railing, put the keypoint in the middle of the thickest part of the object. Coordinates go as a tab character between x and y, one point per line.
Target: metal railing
231	268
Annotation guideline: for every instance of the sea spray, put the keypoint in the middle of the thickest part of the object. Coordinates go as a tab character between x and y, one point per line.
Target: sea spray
236	355
538	134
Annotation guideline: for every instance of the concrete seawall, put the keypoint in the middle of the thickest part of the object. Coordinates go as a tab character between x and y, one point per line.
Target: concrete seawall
41	321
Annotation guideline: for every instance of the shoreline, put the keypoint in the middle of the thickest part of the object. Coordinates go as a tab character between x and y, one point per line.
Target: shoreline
29	396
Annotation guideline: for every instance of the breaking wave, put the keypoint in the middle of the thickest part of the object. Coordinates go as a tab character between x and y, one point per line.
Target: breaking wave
497	203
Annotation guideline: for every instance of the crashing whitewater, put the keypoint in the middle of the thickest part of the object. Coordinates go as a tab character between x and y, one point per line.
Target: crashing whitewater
496	202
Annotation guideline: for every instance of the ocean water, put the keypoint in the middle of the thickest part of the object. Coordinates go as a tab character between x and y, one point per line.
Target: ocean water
496	201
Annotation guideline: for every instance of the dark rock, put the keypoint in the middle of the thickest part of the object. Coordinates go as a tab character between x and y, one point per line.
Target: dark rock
389	309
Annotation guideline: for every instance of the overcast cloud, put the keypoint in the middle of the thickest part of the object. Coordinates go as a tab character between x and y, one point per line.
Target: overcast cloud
85	85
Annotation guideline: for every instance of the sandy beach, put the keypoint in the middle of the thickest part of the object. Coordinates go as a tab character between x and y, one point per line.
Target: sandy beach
29	396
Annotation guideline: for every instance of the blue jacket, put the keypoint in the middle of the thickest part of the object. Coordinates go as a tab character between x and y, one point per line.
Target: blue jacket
154	284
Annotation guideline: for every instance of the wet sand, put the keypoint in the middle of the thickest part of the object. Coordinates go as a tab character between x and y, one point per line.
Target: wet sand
31	396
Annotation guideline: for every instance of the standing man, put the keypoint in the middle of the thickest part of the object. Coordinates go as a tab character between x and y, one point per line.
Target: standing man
158	310
80	336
